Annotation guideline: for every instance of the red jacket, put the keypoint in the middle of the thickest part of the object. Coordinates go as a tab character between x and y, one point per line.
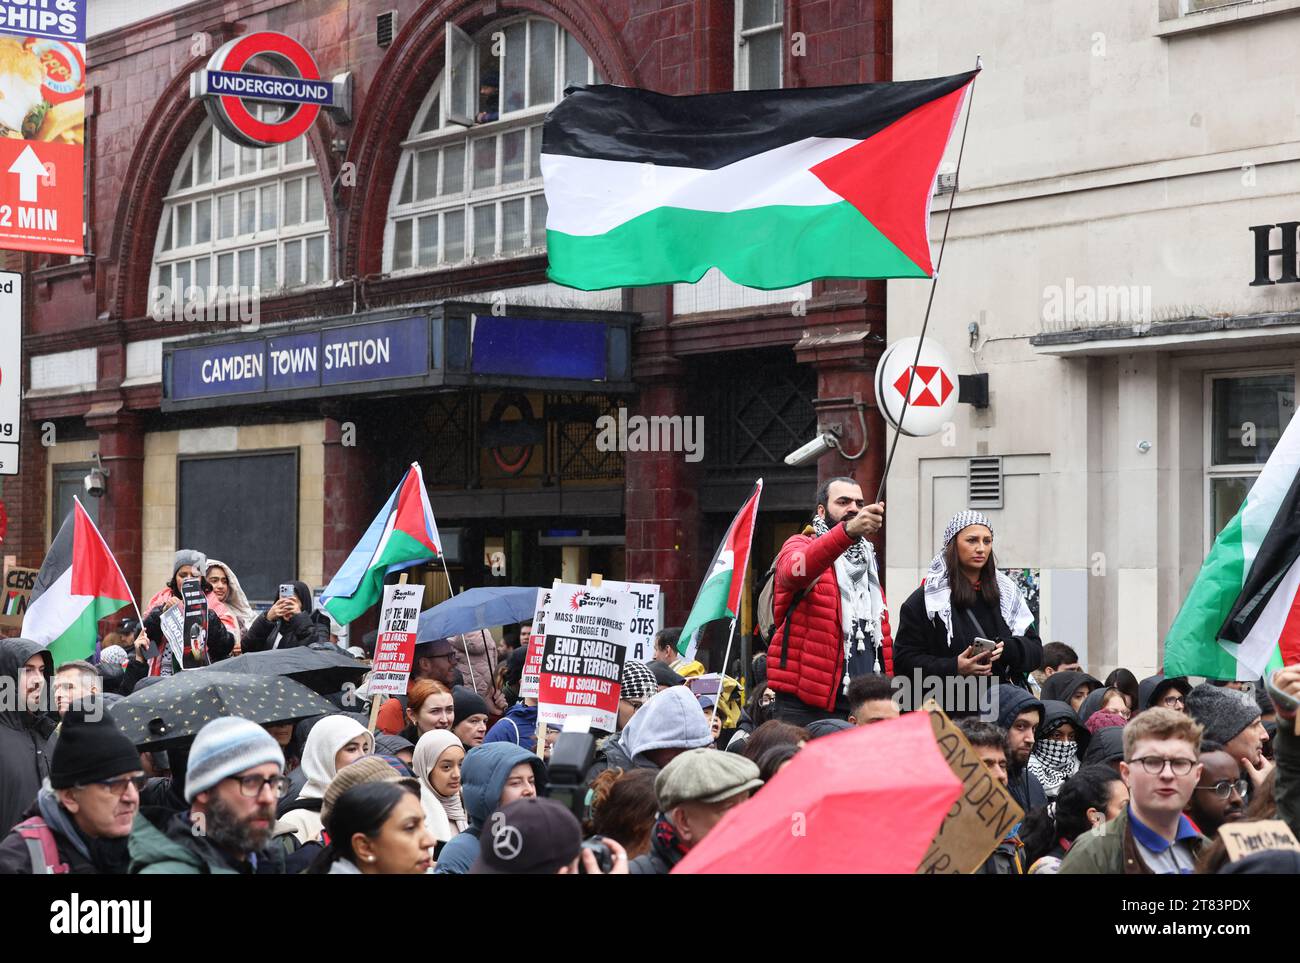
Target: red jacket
814	659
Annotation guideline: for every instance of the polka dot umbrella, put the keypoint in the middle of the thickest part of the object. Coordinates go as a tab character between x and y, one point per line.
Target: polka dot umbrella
169	713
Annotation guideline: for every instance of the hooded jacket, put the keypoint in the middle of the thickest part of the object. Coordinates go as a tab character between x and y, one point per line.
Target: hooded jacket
302	629
518	725
163	842
1061	685
23	735
483	778
1022	784
810	664
671	719
1153	685
1091	704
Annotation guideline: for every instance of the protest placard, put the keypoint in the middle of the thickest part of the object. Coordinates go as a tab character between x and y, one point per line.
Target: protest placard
532	676
982	814
645	624
195	632
583	654
1256	836
18	592
399	615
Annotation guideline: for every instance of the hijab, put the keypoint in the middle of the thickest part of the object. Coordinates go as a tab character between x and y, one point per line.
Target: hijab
236	601
327	737
443	815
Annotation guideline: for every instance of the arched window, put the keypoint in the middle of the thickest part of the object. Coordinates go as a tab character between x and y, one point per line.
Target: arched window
242	217
475	193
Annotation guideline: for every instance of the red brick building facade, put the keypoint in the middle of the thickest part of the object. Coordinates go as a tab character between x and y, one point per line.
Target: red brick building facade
141	121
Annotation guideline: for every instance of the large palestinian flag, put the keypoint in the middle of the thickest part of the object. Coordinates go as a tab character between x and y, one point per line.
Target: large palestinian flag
79	583
1242	615
719	596
402	535
774	187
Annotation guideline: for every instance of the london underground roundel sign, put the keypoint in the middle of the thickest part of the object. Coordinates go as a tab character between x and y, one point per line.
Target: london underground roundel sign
228	89
933	397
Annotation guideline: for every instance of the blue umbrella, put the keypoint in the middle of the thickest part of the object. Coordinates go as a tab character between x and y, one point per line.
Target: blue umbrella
474	609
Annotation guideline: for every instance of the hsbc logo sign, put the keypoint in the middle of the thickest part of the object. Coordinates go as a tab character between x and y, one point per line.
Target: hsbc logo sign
931	386
230	90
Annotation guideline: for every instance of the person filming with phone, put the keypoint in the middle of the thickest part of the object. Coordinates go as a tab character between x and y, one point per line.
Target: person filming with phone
289	622
967	618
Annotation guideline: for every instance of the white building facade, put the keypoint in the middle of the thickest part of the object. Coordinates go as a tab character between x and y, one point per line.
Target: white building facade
1124	158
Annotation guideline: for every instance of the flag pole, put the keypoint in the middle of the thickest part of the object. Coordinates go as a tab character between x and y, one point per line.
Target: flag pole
722	684
934	283
465	645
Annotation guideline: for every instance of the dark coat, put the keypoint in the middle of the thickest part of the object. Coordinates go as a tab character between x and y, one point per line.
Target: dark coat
23	736
922	642
79	856
220	642
1061	685
302	629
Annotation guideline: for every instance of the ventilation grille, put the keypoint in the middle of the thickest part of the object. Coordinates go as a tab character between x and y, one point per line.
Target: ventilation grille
984	482
947	183
385	27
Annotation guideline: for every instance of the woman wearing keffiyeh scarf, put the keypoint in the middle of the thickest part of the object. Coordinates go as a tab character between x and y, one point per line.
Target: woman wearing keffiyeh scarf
1059	744
965	597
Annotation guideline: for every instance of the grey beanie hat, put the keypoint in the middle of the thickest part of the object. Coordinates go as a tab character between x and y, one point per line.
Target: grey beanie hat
1223	712
225	747
188	556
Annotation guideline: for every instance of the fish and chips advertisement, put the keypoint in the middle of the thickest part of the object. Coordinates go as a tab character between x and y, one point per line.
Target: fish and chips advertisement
42	125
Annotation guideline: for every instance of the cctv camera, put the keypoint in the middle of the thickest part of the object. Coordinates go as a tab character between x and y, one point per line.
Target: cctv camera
809	453
95	483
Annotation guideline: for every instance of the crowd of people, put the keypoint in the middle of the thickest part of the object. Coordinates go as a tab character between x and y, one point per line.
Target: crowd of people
457	776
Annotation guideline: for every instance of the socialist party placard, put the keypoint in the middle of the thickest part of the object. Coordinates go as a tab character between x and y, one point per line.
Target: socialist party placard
532	677
399	616
42	124
587	631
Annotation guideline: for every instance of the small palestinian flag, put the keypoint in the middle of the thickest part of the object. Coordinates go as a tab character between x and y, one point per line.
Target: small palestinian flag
79	583
403	534
773	187
719	596
1241	617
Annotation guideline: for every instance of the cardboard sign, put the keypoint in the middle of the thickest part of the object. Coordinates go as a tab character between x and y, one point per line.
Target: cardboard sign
195	637
982	814
399	616
645	624
532	676
18	584
1246	838
583	654
42	125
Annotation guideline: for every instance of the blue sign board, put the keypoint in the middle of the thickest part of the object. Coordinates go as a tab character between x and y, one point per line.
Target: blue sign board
538	348
374	351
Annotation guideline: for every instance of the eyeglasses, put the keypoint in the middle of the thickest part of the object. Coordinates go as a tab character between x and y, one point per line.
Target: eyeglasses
1224	787
118	786
1155	765
635	703
1173	702
251	786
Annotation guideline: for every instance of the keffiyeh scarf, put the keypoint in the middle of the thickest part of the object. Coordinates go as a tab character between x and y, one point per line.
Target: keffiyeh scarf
938	590
1053	762
861	606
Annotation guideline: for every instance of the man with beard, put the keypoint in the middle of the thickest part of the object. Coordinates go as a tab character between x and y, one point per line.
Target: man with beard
828	608
25	668
1019	715
1220	794
234	779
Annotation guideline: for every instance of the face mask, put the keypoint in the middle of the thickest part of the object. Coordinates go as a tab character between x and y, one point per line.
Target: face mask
1056	754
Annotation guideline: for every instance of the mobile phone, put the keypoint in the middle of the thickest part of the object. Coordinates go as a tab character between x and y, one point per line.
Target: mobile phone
984	645
286	590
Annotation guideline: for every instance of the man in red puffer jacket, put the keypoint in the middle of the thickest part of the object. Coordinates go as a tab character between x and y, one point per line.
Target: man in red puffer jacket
839	627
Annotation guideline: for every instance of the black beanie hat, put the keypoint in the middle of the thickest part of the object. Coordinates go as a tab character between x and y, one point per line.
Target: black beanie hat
88	750
465	703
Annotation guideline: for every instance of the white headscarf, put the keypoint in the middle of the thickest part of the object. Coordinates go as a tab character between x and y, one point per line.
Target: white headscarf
444	816
236	600
324	741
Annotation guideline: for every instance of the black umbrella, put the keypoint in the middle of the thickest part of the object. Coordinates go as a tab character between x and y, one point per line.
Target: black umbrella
170	713
321	667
